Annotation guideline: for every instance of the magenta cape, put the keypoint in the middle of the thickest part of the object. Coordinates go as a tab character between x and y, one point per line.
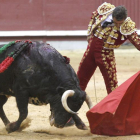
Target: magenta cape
119	112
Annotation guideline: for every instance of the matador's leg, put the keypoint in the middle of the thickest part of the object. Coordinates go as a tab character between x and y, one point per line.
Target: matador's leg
87	66
108	69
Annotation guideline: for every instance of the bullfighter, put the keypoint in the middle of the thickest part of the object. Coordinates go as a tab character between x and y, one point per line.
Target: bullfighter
108	28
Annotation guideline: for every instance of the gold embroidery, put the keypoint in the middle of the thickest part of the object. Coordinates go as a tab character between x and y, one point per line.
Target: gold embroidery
122	38
109	62
100	33
100	36
114	35
115	29
106	45
105	8
110	40
128	27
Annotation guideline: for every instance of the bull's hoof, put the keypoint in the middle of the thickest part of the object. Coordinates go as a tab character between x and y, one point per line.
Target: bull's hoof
11	127
70	123
82	126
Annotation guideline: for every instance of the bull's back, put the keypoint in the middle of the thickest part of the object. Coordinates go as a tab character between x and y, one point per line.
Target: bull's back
38	62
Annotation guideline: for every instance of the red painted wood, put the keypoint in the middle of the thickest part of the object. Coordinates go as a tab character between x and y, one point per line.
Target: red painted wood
55	14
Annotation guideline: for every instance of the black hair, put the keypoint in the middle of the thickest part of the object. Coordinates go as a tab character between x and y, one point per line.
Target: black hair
120	13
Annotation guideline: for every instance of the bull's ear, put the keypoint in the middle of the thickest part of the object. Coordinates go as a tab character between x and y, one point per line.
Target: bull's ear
60	90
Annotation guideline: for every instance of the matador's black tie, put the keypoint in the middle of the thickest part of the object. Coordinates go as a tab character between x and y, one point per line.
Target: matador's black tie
106	23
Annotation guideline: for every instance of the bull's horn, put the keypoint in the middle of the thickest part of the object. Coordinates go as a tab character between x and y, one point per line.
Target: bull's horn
66	94
89	102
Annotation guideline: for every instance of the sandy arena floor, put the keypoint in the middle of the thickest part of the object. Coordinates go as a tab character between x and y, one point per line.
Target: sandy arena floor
128	63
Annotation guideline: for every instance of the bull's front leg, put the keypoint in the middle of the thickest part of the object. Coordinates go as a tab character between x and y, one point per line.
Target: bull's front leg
78	122
3	100
22	104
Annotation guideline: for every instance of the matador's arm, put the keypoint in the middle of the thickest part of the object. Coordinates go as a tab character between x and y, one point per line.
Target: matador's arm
135	40
92	21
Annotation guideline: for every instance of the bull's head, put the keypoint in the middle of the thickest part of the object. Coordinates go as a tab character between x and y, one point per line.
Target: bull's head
70	93
64	103
67	112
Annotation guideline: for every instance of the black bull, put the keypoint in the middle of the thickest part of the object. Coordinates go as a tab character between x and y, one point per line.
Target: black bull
40	75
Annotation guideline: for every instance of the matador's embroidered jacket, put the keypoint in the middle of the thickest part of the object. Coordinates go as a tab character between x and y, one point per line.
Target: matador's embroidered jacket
112	36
